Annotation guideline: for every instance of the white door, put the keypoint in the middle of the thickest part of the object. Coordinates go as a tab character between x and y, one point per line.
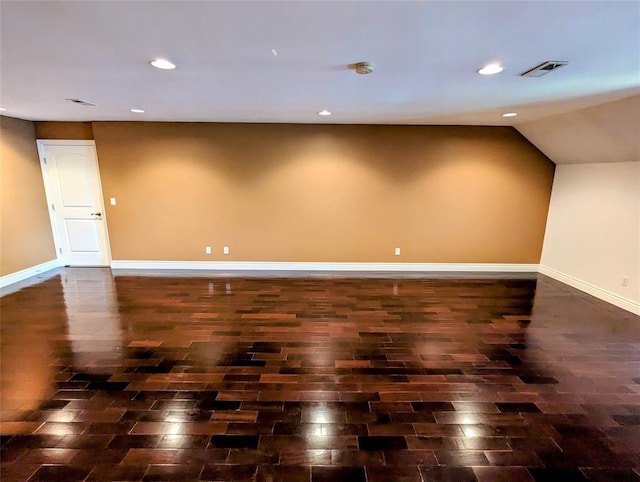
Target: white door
74	193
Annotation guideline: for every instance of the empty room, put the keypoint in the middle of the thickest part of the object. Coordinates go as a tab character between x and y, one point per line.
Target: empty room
320	241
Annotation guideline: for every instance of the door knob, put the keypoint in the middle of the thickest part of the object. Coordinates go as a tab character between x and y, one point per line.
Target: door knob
96	214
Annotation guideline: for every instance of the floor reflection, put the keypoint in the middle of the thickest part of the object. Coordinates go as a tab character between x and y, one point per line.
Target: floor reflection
93	321
34	323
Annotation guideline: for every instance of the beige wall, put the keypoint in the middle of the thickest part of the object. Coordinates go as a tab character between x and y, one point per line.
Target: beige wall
25	230
593	231
276	192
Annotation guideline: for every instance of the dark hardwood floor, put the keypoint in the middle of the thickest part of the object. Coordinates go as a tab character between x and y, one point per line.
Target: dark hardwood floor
463	378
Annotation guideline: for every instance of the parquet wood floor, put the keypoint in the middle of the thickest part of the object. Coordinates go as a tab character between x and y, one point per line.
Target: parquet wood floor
315	379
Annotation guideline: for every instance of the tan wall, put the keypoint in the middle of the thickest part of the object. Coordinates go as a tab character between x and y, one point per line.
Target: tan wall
323	193
64	130
25	229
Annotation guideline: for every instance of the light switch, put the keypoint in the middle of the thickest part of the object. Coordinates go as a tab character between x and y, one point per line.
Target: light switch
112	201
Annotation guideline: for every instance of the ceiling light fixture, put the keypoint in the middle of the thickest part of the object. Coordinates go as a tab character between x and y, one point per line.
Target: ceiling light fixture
274	52
137	111
510	114
324	112
163	64
491	69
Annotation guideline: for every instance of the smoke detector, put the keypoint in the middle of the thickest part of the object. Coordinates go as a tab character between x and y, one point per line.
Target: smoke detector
544	68
363	68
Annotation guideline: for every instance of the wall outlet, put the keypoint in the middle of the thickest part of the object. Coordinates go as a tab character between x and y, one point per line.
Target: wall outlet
397	252
207	250
625	281
225	250
112	201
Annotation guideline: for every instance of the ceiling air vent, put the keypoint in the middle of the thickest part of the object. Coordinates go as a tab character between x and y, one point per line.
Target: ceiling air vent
544	68
81	102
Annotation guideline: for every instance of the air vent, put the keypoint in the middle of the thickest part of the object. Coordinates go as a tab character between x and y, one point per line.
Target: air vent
544	68
81	102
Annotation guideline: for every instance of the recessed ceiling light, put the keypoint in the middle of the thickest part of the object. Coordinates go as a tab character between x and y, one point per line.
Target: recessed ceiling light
137	111
324	112
2	109
491	69
163	64
510	114
274	52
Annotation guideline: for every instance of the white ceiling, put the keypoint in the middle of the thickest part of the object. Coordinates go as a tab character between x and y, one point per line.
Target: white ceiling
426	56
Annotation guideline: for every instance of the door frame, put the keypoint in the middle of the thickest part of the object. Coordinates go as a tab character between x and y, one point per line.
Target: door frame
41	144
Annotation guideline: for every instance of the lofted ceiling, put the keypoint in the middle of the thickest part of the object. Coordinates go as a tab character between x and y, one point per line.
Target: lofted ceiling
603	133
425	53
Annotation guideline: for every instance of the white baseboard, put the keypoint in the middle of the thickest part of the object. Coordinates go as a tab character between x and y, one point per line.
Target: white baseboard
608	296
310	266
28	273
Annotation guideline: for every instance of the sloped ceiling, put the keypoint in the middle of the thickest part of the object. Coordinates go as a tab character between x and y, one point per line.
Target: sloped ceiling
607	132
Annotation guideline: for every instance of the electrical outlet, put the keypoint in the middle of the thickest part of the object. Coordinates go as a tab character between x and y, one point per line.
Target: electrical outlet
625	281
207	250
397	252
225	250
